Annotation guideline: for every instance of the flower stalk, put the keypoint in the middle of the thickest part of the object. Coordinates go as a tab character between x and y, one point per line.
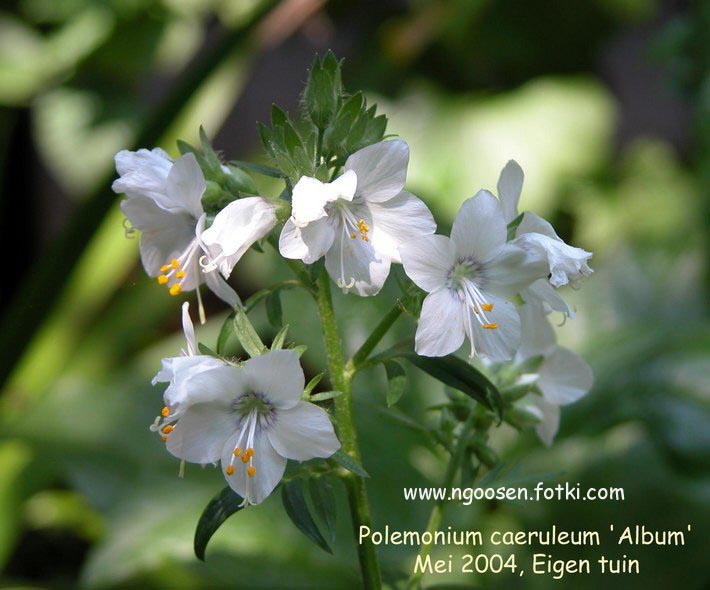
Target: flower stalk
342	381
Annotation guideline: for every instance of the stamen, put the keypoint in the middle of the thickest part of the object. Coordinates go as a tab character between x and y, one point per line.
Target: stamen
490	326
163	439
251	471
168	429
237	452
165	412
250	452
175	263
164	268
163	279
180	274
175	290
487	306
245	458
229	470
363	228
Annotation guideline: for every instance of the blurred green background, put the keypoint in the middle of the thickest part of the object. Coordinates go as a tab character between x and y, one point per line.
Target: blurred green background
605	104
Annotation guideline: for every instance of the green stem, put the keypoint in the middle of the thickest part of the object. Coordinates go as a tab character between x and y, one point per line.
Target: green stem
374	339
342	381
437	512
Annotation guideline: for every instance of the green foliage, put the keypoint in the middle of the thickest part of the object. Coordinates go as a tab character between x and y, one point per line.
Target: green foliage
220	508
293	495
396	381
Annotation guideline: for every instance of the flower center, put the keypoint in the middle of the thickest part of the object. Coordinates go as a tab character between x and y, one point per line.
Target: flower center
173	273
464	278
352	227
254	411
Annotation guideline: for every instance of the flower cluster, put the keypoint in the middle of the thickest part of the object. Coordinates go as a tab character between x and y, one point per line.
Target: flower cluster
493	282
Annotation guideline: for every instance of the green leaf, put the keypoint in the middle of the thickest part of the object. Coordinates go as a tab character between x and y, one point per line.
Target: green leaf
456	373
513	226
396	381
204	349
220	508
258	168
266	136
225	332
280	338
185	148
274	311
239	181
312	384
294	500
322	498
345	460
247	335
279	118
210	156
321	396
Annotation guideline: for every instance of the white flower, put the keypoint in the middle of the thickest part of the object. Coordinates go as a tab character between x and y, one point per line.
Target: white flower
177	371
359	220
470	279
251	418
534	234
562	378
164	201
234	230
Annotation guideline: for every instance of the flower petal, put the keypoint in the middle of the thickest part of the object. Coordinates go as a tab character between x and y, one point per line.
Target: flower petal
236	228
179	371
164	235
310	196
537	336
498	344
428	260
479	230
270	467
186	185
189	329
219	384
564	377
543	293
550	421
512	270
307	243
440	330
144	173
510	185
566	263
278	376
398	220
219	287
303	432
200	433
353	263
381	170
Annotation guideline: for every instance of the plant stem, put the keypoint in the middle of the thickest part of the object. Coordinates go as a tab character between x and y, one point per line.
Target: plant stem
342	380
374	339
438	511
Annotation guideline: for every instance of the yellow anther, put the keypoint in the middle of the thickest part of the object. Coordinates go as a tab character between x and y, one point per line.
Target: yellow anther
167	429
250	452
164	268
174	263
165	412
245	458
487	307
491	326
180	274
251	471
229	470
364	239
237	452
163	438
353	236
162	280
176	289
475	309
